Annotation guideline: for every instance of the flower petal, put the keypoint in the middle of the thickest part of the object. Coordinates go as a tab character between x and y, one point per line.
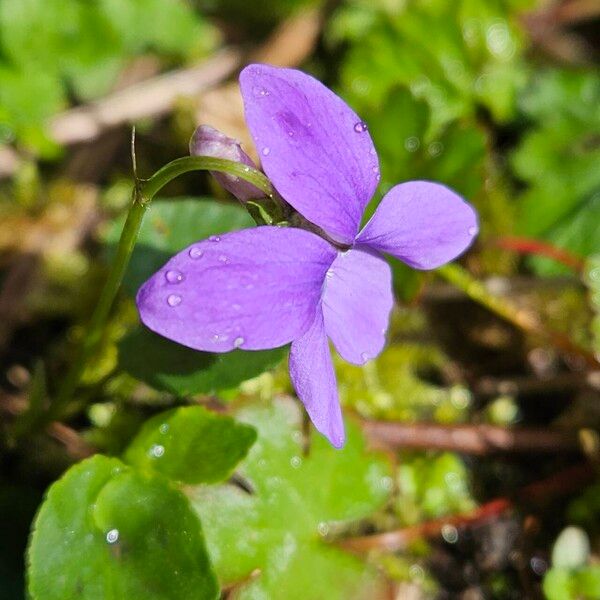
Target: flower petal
423	224
251	289
314	148
208	141
357	303
311	372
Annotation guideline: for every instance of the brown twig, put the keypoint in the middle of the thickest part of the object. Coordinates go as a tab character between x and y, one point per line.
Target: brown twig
559	484
481	440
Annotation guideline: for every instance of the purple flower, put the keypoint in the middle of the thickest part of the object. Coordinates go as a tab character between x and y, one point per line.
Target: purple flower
269	286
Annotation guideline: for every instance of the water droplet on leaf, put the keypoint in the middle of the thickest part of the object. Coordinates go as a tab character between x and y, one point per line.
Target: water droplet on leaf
156	451
412	143
295	461
174	300
112	536
164	428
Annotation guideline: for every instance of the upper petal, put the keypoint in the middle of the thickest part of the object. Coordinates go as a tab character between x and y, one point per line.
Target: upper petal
357	302
251	289
314	148
423	224
312	374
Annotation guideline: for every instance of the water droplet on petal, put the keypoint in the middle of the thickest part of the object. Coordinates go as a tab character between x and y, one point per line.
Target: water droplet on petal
112	536
238	342
174	276
223	258
375	169
472	230
360	127
364	357
195	253
266	151
156	451
260	92
174	300
214	238
295	461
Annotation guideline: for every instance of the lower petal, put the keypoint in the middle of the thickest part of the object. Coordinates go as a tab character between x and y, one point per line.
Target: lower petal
357	302
312	374
423	224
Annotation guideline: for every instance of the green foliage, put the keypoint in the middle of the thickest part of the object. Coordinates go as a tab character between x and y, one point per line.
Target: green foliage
296	500
592	279
191	445
182	371
108	531
432	486
558	158
51	48
453	58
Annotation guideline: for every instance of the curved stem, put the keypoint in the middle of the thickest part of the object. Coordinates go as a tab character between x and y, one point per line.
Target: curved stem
143	193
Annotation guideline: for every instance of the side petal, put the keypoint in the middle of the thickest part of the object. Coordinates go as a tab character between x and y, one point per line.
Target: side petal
313	146
251	289
357	302
311	372
423	224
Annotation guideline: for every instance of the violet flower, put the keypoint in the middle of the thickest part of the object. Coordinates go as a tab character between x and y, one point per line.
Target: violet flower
268	286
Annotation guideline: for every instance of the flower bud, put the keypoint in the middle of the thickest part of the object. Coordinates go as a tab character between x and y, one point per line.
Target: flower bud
208	141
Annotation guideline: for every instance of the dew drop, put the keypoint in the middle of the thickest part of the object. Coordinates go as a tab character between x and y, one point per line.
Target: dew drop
214	238
323	529
295	461
435	148
595	274
364	357
174	276
156	451
386	483
360	127
260	92
112	536
223	258
164	428
174	300
196	253
472	230
238	342
375	169
266	151
412	143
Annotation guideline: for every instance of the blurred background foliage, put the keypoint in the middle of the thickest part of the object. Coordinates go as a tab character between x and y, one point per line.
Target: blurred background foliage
499	99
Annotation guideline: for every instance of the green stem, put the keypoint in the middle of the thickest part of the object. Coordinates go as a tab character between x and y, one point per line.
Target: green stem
143	194
504	308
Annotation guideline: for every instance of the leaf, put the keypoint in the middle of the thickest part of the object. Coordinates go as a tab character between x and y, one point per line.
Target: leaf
296	499
191	445
106	531
167	366
171	225
453	58
558	159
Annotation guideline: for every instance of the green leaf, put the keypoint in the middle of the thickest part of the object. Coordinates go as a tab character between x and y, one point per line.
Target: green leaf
558	158
172	225
106	531
173	368
191	445
280	527
558	585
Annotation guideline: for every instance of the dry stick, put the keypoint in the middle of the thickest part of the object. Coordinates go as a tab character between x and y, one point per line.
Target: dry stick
562	483
481	440
476	290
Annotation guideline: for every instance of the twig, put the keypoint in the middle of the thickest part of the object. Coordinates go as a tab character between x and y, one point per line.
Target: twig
150	98
481	440
539	248
560	484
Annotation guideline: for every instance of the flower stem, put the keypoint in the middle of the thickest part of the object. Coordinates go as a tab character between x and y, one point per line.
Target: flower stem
504	308
143	193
